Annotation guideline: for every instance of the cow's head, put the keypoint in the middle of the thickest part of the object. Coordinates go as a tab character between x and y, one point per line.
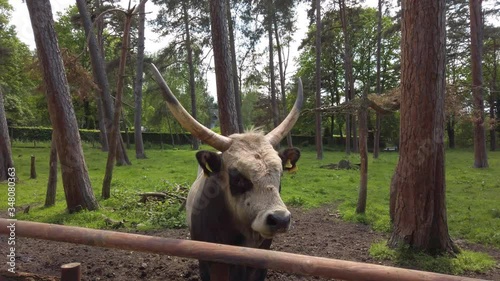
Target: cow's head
249	169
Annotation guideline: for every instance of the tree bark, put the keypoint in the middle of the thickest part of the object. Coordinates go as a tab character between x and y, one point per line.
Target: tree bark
347	66
363	153
50	197
417	197
76	182
115	128
282	78
493	95
6	161
378	116
223	72
139	74
319	133
272	75
476	48
237	92
192	84
99	73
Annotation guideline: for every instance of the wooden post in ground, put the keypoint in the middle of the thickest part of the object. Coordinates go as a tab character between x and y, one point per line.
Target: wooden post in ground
71	272
33	169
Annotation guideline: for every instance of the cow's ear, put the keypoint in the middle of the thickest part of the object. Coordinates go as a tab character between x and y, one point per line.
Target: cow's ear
209	161
289	158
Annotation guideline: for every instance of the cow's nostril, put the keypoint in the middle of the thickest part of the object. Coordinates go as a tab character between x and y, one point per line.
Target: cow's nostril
271	220
278	221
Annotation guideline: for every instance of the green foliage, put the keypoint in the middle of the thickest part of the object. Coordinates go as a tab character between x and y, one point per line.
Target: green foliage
15	63
380	251
157	214
363	34
145	175
465	261
296	201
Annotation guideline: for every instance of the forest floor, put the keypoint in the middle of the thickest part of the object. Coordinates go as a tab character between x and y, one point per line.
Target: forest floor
316	232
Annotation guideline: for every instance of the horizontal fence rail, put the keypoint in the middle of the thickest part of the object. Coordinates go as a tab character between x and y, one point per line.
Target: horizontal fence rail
292	263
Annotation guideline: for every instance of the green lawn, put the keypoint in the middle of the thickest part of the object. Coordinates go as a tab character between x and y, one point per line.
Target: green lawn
473	195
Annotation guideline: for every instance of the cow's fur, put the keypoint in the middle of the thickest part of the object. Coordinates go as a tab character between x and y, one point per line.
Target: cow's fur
229	209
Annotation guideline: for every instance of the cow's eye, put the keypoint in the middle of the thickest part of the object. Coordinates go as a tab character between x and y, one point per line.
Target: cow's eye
238	183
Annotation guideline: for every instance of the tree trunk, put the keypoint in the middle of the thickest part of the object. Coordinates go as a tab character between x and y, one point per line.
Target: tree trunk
223	72
349	83
282	79
103	136
272	76
139	74
6	162
417	197
376	135
493	95
99	73
50	197
363	153
75	176
192	84
103	133
319	135
476	49
115	128
237	92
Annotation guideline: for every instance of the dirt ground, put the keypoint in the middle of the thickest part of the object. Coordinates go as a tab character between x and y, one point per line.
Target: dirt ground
315	232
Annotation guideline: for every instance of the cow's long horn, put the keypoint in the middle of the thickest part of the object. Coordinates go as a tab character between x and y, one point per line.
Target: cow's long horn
278	133
206	135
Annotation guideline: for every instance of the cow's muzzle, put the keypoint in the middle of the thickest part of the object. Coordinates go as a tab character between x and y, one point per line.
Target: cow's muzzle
278	221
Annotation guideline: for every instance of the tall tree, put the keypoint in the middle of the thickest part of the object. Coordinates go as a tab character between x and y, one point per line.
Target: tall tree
223	72
99	72
349	80
192	84
115	128
417	197
456	49
6	162
272	75
363	153
187	20
493	51
476	27
139	145
75	176
282	76
232	42
319	133
376	135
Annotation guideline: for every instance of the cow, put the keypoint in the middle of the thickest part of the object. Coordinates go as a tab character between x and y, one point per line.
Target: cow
235	199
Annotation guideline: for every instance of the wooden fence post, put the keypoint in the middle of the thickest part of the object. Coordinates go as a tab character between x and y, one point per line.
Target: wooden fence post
71	272
33	169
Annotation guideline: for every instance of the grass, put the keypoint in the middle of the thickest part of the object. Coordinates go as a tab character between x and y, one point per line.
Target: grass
465	261
472	194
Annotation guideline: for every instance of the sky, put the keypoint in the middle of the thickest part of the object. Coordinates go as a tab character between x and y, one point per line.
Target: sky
20	18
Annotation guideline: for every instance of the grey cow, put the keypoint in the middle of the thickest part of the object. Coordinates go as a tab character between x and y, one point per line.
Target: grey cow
236	199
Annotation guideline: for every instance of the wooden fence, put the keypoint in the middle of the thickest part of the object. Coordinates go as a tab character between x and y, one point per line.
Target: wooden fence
281	261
